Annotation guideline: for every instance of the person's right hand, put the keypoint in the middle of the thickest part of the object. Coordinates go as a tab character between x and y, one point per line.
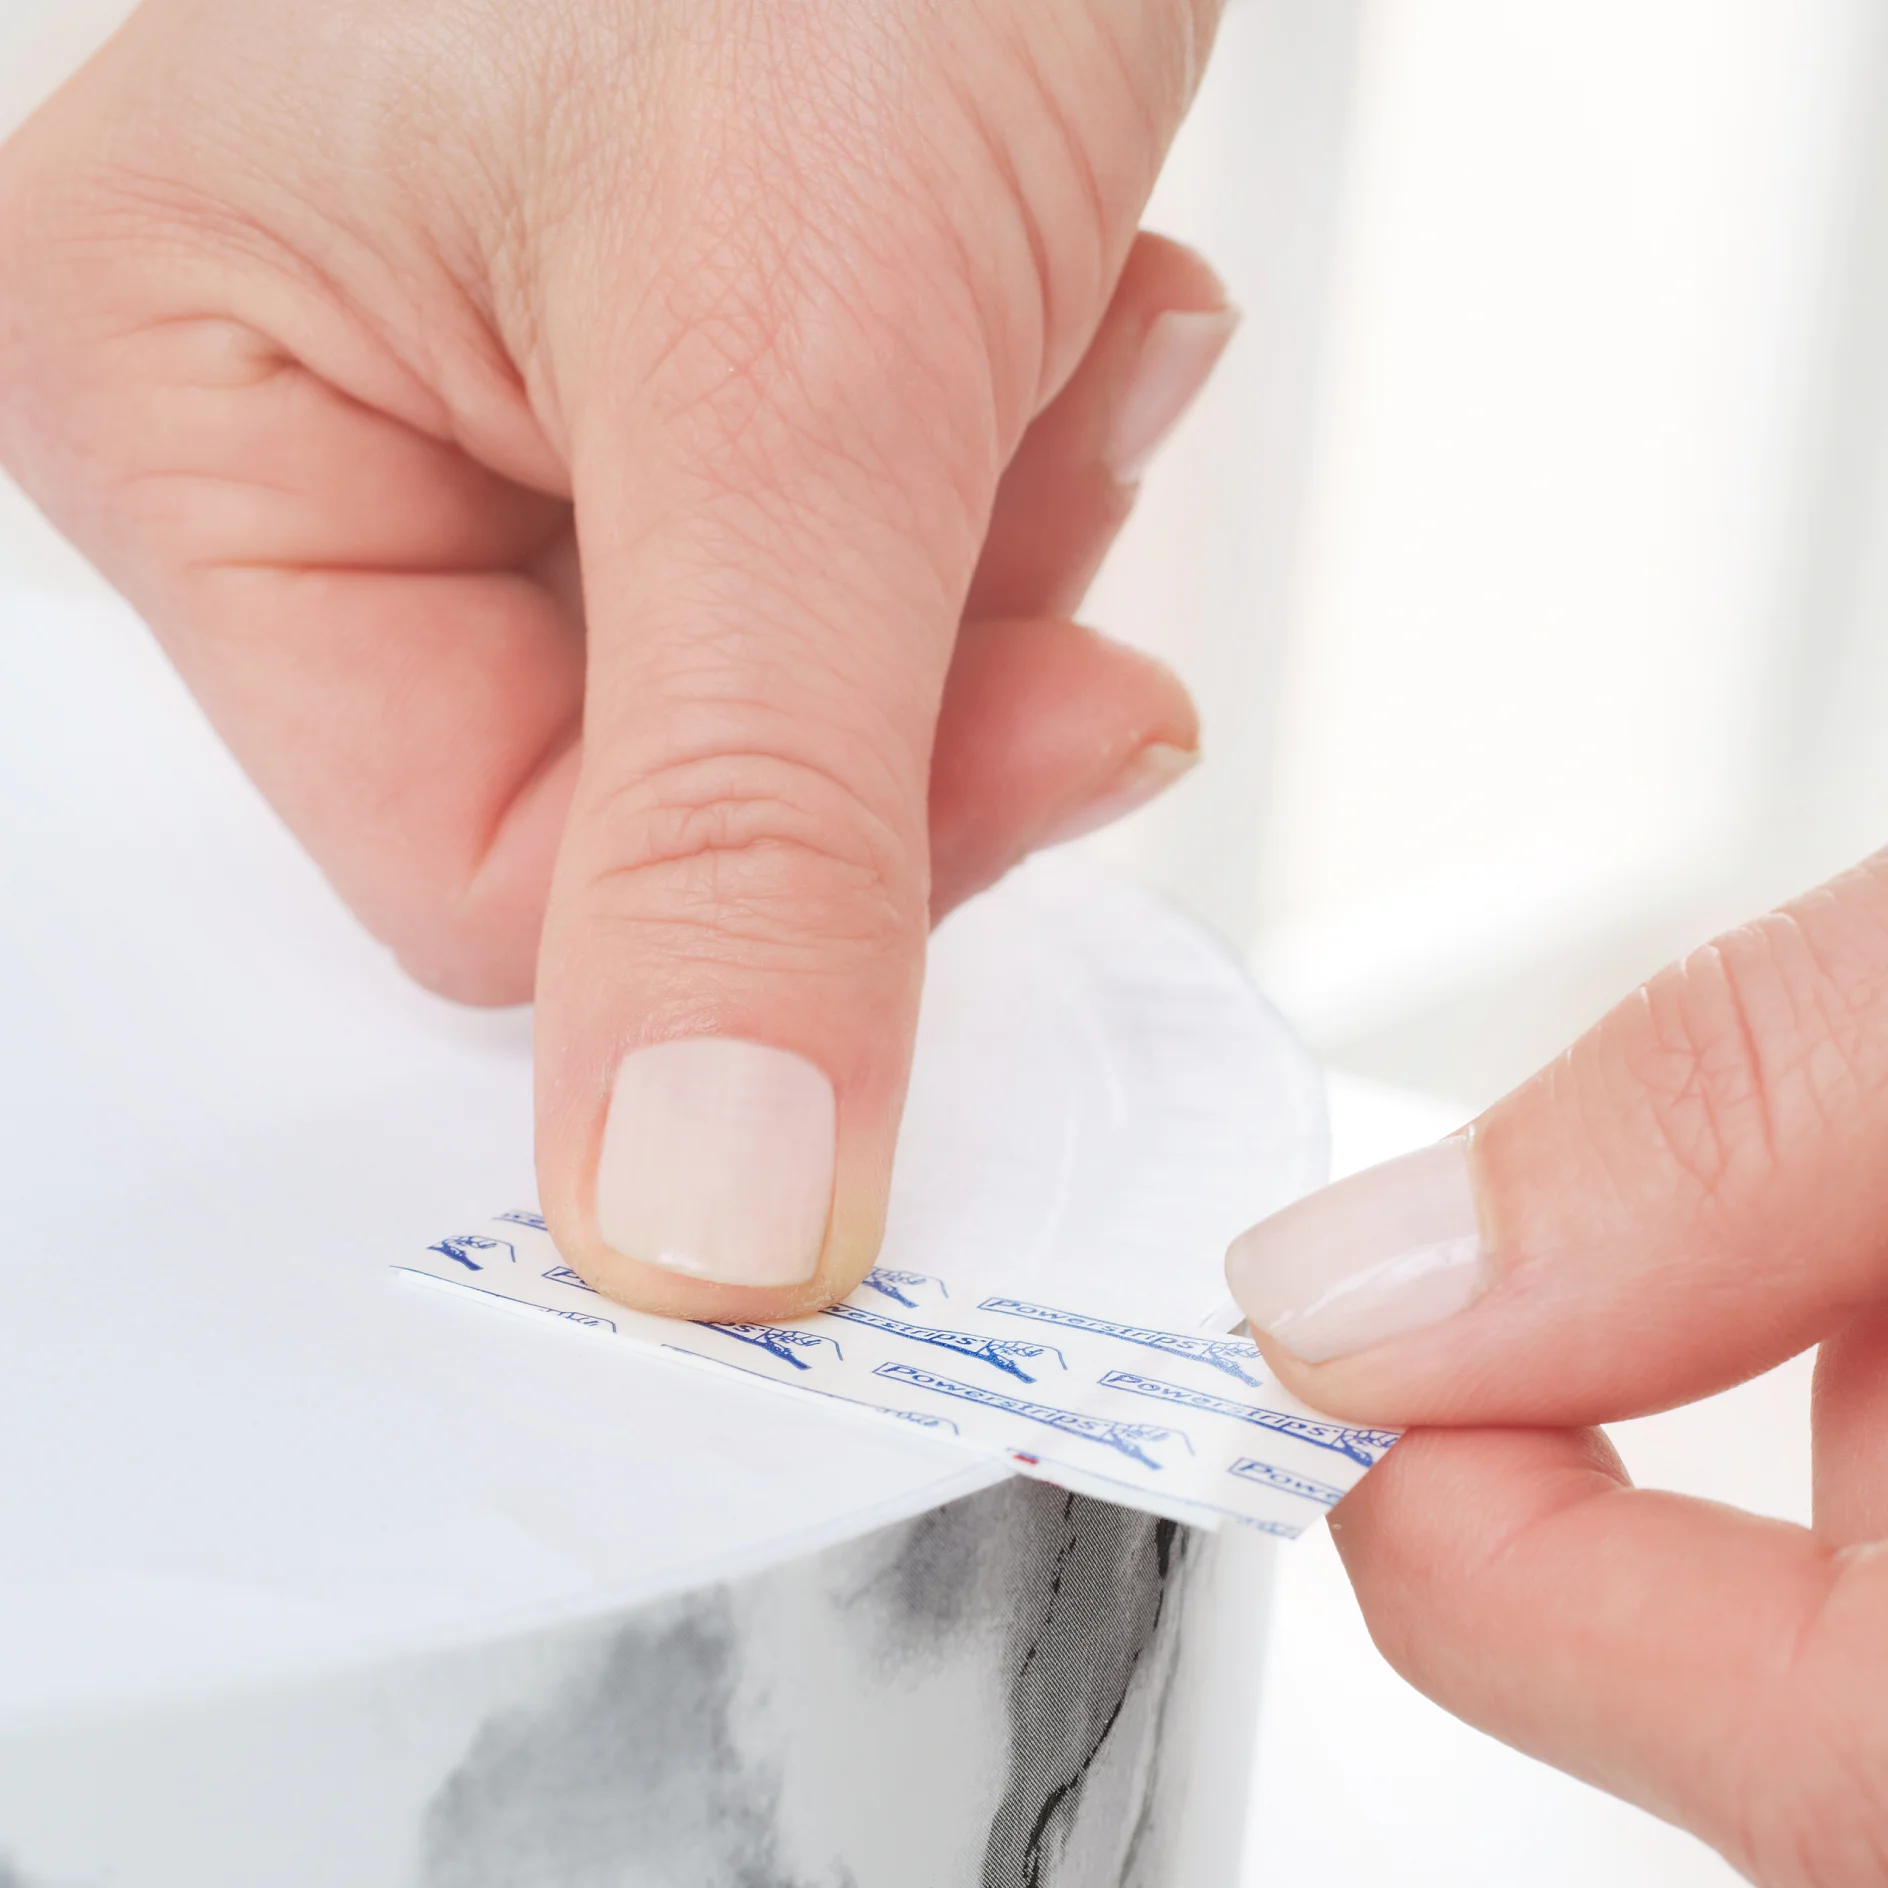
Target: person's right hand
1697	1190
620	471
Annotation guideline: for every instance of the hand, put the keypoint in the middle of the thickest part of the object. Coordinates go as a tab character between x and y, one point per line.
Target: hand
619	472
1694	1192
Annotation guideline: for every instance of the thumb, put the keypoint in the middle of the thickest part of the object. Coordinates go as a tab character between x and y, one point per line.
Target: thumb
1693	1192
775	551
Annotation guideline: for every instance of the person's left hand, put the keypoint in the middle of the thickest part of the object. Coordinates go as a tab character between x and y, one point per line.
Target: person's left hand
618	473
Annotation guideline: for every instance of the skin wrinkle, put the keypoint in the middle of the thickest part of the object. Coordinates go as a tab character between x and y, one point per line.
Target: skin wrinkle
743	934
474	523
1811	1055
729	576
329	567
1074	282
747	410
112	208
258	359
758	403
1748	1089
752	800
474	886
361	259
515	529
1617	1184
324	298
723	738
1079	160
497	367
767	514
784	900
1082	173
340	268
1019	387
1736	1115
1850	985
761	687
1669	1071
1706	1098
1577	1067
771	755
1034	240
163	475
735	176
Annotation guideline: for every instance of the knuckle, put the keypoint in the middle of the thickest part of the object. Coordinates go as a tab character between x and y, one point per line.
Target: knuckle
756	858
1744	1052
1696	1064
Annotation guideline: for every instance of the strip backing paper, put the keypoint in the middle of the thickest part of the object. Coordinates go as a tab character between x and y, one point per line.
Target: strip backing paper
1186	1424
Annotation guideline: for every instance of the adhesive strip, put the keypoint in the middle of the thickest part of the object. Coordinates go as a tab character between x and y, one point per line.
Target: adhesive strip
1185	1424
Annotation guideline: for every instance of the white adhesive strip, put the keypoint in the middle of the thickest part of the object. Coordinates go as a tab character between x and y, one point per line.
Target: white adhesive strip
1182	1423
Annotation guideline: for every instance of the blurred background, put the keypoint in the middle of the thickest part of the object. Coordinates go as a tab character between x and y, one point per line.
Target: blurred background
1524	558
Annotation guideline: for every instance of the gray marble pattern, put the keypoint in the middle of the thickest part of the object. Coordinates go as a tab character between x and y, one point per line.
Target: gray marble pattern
968	1698
1004	1692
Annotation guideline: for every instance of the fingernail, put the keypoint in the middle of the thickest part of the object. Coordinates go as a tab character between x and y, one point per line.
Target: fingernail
1177	353
718	1161
1151	771
1386	1251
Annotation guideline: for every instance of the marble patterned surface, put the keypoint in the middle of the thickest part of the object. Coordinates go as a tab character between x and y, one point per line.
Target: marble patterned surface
985	1696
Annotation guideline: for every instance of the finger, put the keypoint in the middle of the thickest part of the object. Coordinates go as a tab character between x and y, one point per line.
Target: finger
431	750
382	629
417	727
781	488
1722	1671
1071	484
388	634
1047	731
790	383
1694	1192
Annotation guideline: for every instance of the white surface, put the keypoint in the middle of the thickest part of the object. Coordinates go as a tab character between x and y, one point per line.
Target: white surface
232	1447
1361	1782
